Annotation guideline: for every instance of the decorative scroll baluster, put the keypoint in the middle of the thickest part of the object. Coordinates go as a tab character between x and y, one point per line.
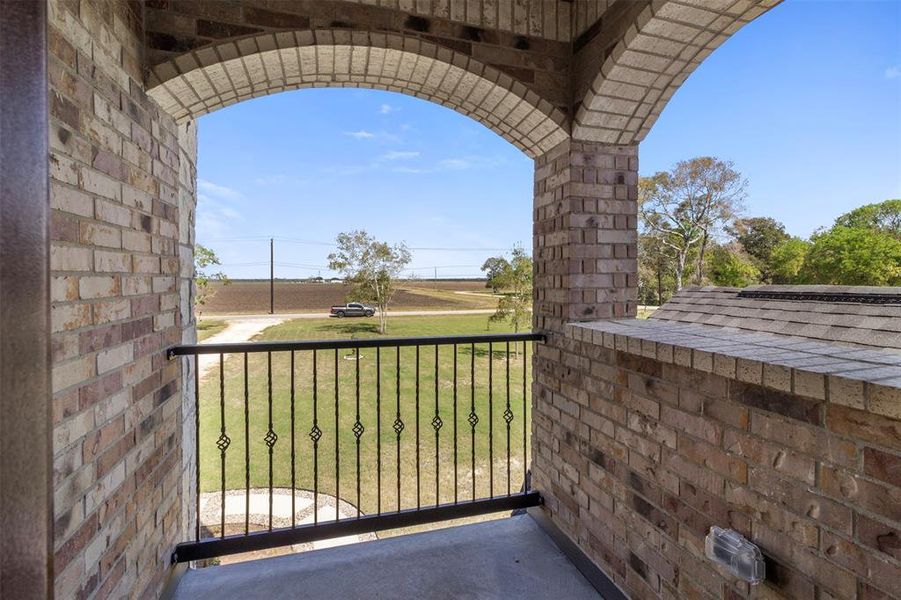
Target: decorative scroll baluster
398	424
358	428
315	434
508	417
473	417
271	438
437	423
223	442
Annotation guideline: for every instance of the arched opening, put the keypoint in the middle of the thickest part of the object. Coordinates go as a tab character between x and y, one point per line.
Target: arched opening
196	83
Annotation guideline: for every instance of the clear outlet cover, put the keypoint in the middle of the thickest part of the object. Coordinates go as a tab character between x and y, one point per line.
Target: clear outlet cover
732	550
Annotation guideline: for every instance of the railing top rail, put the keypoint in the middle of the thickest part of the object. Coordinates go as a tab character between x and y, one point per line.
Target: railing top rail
250	347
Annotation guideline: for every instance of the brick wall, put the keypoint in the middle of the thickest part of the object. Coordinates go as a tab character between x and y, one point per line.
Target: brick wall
641	446
585	238
122	201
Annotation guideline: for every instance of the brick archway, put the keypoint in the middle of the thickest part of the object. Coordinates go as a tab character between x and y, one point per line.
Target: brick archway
658	46
193	84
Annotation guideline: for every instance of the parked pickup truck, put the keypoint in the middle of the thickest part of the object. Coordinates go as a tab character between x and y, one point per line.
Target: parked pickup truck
353	309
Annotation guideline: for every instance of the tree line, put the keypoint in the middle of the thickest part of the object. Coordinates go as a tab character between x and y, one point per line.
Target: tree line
693	230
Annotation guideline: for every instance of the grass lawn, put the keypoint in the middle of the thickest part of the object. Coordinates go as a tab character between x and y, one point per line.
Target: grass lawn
209	328
378	408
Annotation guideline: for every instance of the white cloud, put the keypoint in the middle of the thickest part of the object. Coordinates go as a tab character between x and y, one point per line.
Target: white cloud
386	109
215	217
454	164
399	155
219	191
893	72
361	134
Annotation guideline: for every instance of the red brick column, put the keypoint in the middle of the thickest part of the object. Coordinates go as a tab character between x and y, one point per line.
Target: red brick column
585	234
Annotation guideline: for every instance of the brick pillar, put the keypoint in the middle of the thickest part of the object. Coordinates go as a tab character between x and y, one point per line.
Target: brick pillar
585	234
585	238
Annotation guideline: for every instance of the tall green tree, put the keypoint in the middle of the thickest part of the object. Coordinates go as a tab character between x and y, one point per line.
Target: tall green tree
786	261
759	236
689	205
204	260
371	267
884	217
514	279
853	256
494	267
730	267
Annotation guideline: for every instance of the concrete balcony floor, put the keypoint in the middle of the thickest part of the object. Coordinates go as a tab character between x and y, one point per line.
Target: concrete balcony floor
506	558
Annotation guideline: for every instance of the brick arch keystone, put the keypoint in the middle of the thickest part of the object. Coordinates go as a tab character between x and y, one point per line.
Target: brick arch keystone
660	49
198	82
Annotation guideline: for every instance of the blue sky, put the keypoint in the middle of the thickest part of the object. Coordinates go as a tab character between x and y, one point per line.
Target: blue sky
806	101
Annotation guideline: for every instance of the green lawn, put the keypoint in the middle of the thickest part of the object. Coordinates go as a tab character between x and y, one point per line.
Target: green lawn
378	406
209	328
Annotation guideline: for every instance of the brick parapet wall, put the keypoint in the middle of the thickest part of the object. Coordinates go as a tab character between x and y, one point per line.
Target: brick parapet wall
119	168
585	234
638	455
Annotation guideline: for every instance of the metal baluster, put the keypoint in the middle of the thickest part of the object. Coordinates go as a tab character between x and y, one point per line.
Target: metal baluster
337	447
358	427
473	418
525	420
436	423
293	468
223	441
246	450
508	417
398	424
315	434
197	447
418	486
455	423
378	428
271	437
490	420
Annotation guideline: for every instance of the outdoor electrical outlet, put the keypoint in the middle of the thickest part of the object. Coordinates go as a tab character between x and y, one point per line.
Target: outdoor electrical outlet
732	550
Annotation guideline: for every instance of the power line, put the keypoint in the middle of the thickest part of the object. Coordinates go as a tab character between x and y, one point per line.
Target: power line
302	241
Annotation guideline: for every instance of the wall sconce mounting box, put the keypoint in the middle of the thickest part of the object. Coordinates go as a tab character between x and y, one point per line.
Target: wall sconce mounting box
732	550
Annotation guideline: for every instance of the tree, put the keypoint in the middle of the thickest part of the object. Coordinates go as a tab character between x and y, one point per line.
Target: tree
204	258
731	268
493	267
688	205
371	267
759	236
515	280
884	217
655	270
853	256
786	260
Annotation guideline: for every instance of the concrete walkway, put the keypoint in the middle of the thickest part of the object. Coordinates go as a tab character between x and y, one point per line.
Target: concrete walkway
502	559
239	329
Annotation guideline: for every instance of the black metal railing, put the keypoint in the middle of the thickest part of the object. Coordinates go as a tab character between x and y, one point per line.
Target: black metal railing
341	421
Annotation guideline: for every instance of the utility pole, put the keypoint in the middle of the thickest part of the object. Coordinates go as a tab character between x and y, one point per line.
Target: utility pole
436	278
271	276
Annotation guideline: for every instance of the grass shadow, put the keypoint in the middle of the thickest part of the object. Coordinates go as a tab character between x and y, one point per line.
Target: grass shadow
349	328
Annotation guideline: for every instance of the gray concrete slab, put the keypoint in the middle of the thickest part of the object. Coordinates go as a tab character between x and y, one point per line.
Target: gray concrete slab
507	558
